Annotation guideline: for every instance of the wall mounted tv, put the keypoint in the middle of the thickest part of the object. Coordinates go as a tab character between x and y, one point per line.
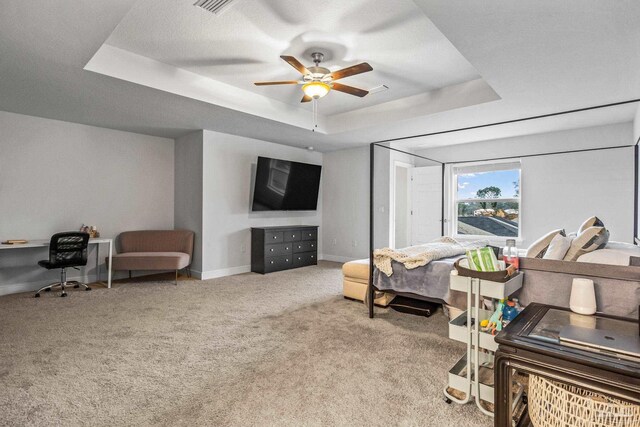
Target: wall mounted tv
282	185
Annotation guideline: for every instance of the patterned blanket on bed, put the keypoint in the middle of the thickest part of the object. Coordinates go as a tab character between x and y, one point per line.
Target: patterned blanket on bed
417	256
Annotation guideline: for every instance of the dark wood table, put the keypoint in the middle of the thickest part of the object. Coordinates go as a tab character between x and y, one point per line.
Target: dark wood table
530	345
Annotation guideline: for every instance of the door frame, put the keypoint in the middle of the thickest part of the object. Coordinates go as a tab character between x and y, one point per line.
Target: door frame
392	199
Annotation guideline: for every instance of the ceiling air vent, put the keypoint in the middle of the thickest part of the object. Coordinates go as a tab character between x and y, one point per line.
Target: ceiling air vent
213	6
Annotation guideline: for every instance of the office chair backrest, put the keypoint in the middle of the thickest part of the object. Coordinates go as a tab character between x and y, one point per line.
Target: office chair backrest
69	249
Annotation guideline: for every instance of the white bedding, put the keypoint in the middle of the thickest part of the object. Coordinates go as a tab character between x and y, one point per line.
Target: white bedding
615	253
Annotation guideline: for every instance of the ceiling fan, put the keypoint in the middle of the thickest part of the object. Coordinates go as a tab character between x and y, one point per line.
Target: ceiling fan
317	81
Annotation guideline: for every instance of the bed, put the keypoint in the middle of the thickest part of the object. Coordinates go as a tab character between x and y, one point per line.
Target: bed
429	282
422	271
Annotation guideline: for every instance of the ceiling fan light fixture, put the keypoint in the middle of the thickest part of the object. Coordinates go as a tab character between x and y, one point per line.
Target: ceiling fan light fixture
316	89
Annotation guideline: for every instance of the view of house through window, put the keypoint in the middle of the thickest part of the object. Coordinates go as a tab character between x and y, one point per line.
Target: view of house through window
487	200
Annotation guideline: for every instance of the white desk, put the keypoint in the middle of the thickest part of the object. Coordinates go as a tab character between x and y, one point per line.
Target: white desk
42	243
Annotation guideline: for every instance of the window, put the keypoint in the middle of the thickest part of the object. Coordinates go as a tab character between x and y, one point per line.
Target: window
487	200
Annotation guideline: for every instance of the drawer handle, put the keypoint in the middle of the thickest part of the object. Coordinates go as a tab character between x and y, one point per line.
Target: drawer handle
275	237
293	235
299	258
309	234
299	246
271	262
286	260
271	249
311	245
312	256
286	249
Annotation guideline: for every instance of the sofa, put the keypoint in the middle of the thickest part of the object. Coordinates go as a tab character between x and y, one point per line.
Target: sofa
150	250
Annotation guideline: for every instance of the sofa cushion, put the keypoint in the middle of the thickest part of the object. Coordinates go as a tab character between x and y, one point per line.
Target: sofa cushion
156	241
150	261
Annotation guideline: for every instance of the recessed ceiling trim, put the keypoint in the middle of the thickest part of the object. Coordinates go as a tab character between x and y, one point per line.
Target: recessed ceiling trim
121	64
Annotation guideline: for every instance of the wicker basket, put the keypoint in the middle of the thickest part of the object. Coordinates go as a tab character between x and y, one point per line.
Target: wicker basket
553	404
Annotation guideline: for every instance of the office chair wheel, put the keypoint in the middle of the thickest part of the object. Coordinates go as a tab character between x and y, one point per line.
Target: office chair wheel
447	400
37	296
62	295
87	288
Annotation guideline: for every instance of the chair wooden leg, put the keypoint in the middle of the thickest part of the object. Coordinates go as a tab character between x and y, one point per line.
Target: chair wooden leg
129	274
176	277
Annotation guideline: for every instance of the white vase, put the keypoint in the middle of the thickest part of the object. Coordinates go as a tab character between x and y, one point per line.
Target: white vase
583	296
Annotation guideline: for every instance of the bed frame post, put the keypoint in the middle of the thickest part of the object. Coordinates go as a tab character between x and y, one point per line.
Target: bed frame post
370	292
442	202
635	193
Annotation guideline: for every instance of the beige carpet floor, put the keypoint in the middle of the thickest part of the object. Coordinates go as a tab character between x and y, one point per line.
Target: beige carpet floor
248	350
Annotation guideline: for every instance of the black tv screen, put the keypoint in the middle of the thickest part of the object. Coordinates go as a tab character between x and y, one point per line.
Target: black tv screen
282	185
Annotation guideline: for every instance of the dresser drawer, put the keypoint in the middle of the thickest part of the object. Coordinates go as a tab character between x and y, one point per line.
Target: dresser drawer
273	237
304	259
292	235
278	263
305	246
309	234
278	249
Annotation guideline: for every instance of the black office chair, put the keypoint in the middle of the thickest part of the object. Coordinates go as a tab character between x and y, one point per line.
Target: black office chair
67	249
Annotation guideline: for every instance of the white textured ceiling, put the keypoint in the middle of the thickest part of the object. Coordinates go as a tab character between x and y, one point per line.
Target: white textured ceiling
243	45
540	56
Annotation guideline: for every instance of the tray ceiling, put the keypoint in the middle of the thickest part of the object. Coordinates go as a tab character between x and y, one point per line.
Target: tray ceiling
243	44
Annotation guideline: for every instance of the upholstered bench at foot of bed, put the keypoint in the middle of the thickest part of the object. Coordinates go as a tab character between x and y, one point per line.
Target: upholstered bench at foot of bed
356	280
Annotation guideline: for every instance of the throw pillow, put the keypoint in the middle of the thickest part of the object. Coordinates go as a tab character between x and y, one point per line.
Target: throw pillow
558	247
589	240
539	247
594	221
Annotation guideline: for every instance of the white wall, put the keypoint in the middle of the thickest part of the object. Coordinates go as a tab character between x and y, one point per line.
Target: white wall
188	190
229	164
55	176
345	204
560	191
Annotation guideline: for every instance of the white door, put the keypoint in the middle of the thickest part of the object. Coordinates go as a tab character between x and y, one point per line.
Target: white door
402	208
426	198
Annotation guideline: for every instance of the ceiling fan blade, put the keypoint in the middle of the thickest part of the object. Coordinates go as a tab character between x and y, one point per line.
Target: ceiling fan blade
350	90
286	82
295	64
351	71
306	98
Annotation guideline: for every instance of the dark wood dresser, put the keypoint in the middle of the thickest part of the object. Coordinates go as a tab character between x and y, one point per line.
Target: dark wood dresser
282	248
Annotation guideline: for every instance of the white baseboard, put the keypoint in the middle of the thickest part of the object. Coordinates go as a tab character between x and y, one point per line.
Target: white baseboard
223	272
337	258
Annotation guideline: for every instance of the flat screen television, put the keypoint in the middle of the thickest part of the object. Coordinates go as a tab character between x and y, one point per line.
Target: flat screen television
282	185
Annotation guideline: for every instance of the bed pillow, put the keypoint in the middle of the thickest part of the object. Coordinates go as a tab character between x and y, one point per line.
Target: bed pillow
558	247
594	221
539	247
588	241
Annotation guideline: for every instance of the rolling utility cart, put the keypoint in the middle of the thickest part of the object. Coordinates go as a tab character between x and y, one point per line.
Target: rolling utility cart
473	373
